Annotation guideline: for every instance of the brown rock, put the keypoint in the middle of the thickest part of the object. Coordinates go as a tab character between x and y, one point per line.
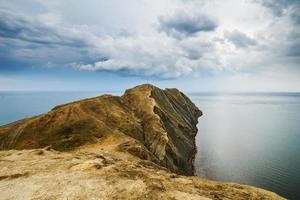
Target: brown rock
164	121
136	146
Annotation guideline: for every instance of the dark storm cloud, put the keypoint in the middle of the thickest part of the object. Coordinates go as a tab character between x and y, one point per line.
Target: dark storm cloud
277	6
32	42
184	42
294	50
183	24
239	39
16	27
287	8
296	16
281	7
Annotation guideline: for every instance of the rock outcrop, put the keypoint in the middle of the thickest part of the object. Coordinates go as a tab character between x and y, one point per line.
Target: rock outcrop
92	173
136	146
164	121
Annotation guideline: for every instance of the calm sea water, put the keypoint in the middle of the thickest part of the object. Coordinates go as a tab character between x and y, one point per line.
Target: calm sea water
246	138
252	139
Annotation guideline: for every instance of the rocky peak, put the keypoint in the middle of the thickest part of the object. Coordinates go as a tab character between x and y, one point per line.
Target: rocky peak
164	121
111	147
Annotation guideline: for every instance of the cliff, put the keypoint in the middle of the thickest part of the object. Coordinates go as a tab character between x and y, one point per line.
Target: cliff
136	146
162	121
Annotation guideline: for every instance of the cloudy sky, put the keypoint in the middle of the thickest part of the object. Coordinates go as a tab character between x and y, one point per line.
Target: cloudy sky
195	45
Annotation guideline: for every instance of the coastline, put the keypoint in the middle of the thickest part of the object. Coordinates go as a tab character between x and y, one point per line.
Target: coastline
119	137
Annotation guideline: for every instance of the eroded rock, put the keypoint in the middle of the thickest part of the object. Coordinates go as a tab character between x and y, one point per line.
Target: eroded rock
164	121
136	146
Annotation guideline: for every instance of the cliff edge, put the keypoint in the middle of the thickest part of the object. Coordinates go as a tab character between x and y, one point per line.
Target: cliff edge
162	121
136	146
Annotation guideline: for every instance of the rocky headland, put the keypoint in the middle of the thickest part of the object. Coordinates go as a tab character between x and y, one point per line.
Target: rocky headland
140	145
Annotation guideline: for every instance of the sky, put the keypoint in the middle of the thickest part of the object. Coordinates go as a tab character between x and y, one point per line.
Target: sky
194	45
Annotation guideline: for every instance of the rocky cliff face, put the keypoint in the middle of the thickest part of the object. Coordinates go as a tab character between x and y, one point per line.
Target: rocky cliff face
169	122
111	147
164	121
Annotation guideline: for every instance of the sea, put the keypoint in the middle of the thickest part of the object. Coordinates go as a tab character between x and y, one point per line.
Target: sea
247	138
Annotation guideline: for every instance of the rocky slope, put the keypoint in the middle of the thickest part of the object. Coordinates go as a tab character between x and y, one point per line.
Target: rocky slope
164	121
136	146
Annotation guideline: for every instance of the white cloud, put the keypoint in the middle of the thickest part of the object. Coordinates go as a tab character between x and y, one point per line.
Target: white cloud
202	36
239	39
182	24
